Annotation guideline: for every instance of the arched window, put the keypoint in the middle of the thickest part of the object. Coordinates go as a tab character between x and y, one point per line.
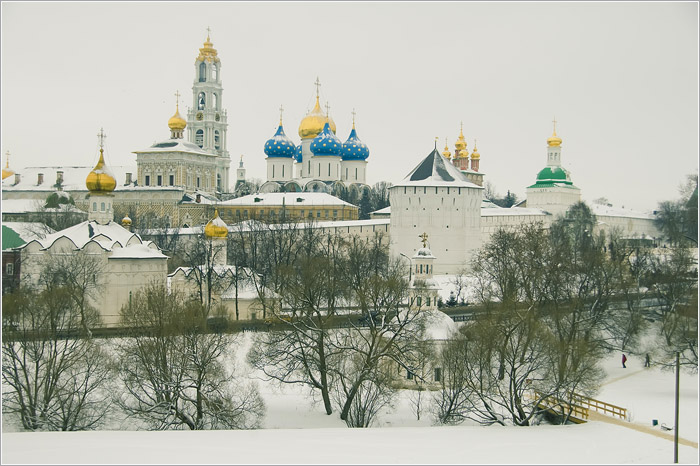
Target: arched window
215	101
217	145
102	206
214	72
202	72
201	101
218	180
199	138
94	206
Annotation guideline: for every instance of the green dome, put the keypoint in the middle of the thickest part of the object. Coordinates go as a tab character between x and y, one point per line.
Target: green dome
552	176
549	173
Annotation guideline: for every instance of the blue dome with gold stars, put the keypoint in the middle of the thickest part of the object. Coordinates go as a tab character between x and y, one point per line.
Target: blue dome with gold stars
326	143
353	148
279	145
297	154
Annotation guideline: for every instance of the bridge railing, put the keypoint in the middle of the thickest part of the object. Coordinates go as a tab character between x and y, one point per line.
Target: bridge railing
580	406
600	406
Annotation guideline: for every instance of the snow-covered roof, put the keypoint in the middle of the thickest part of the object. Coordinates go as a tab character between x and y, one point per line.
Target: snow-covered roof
23	206
112	237
174	145
609	211
73	178
385	211
502	212
289	199
435	171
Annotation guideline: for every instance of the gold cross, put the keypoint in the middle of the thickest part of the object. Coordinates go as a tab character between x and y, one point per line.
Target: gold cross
281	111
555	124
424	238
208	32
328	109
101	136
318	86
7	163
353	118
177	99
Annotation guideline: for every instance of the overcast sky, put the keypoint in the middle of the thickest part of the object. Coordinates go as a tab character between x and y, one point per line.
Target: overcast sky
621	79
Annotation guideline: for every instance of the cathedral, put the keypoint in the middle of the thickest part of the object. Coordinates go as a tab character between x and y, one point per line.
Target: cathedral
181	181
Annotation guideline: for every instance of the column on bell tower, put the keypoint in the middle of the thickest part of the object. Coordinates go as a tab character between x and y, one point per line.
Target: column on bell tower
206	119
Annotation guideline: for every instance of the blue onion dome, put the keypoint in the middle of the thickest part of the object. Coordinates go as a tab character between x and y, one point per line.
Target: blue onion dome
279	145
326	143
297	154
353	148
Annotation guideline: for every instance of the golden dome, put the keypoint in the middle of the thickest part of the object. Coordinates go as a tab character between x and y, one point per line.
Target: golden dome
312	124
461	143
475	154
208	53
446	152
216	228
126	221
99	180
176	122
554	140
6	172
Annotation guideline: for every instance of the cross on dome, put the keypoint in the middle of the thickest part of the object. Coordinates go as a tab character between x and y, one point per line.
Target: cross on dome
353	118
424	239
177	99
554	121
101	136
281	111
328	109
208	32
7	159
318	86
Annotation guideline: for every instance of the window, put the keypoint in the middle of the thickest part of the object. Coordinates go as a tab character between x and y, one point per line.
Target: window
409	375
202	72
199	138
10	268
218	181
438	374
201	101
217	145
273	171
160	180
245	213
214	72
326	213
198	182
335	214
94	204
427	301
172	180
421	268
215	97
148	181
318	214
282	171
302	213
102	206
329	169
419	301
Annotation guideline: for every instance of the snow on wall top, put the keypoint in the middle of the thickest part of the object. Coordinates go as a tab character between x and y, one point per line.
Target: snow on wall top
73	178
289	199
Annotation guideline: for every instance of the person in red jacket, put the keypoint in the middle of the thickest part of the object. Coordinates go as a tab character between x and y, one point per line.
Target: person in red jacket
624	360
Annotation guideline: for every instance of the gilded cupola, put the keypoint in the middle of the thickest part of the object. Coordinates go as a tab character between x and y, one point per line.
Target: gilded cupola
461	144
554	140
208	52
216	228
176	122
312	124
100	180
475	153
446	152
6	172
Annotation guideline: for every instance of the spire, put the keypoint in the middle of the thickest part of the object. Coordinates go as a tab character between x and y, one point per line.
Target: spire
241	162
353	118
6	172
281	111
554	140
446	152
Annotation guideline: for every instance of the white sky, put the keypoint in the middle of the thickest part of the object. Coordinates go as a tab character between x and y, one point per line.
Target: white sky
621	79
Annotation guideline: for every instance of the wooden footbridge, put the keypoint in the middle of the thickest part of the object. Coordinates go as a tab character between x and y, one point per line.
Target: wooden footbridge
579	407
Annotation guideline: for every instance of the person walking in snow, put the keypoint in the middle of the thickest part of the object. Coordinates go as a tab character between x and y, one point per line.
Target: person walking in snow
624	360
646	361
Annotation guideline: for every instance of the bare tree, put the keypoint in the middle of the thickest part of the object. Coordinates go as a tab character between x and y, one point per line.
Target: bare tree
52	381
173	373
201	258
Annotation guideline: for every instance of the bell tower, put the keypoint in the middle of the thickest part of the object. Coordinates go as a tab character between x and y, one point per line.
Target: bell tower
206	119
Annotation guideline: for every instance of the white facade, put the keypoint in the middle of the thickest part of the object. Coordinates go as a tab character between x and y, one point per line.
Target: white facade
280	169
438	200
354	171
206	119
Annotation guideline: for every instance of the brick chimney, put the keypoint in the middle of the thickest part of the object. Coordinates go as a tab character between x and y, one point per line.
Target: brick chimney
59	178
18	178
39	179
128	178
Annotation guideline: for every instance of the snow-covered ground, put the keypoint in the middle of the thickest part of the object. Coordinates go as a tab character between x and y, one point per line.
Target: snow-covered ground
297	431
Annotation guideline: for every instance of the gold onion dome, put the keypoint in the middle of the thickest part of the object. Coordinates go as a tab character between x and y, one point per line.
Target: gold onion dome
216	228
475	154
6	172
176	122
446	152
99	180
126	221
312	124
554	140
461	143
